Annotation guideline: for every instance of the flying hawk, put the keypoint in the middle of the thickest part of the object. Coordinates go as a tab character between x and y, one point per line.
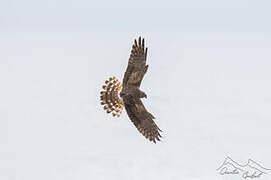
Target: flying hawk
115	95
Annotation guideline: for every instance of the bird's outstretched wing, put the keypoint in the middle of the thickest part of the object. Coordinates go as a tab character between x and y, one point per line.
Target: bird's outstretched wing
137	67
143	120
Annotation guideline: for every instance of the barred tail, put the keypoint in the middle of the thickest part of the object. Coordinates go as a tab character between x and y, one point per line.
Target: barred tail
110	97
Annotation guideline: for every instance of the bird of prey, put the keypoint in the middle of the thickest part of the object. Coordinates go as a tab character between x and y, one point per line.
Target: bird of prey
115	95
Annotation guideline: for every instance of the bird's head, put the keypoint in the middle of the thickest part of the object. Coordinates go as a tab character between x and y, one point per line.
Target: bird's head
143	95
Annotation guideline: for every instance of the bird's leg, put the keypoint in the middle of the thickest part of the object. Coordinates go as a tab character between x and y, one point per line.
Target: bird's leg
122	94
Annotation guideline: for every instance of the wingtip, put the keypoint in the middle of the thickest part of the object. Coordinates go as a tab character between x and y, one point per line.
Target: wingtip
135	43
159	129
159	135
155	140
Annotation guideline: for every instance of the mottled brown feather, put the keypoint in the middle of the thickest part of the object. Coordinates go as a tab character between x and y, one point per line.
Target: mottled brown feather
135	71
136	64
143	121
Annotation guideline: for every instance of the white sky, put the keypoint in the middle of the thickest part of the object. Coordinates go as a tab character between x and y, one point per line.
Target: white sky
208	86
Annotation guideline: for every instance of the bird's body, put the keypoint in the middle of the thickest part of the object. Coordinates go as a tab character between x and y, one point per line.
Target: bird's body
129	94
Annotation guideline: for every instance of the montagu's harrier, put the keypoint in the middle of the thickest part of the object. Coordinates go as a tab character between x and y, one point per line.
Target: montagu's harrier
116	95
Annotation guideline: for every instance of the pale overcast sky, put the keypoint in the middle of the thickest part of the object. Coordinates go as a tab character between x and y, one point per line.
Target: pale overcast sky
208	86
120	15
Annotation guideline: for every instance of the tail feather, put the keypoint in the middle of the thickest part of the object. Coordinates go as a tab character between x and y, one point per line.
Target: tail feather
110	97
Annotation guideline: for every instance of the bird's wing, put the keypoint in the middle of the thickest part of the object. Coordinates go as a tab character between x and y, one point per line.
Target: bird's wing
143	120
137	67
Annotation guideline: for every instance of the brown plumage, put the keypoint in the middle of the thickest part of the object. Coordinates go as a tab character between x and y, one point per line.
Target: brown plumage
110	97
128	94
